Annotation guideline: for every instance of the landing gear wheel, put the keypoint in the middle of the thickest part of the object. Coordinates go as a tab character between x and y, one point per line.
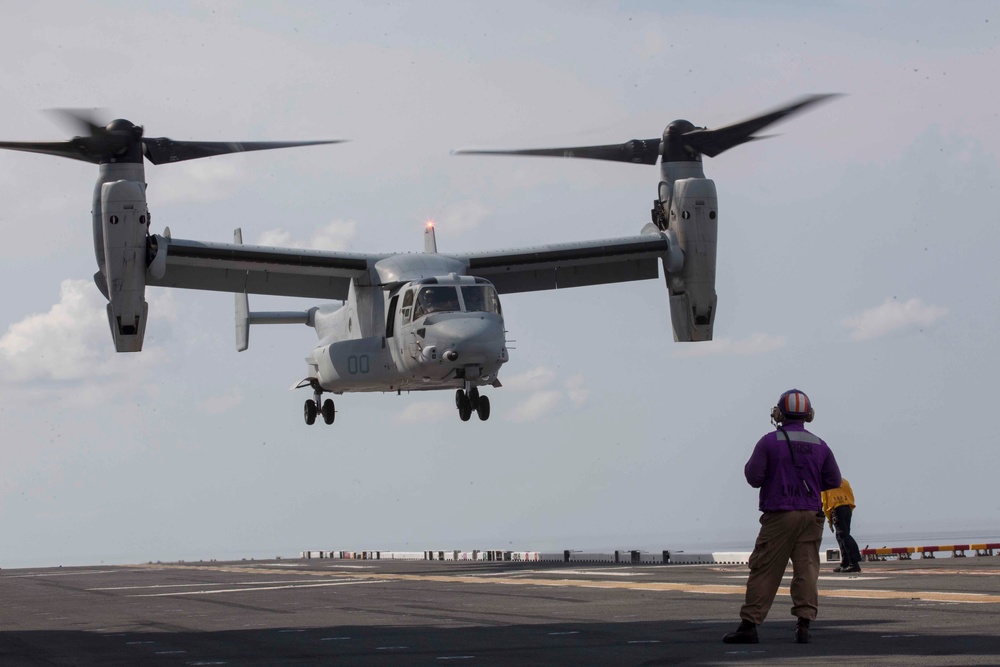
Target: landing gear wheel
483	408
329	412
464	407
309	412
459	397
473	394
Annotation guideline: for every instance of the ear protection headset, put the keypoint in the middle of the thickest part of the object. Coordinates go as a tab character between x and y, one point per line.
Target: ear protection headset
793	404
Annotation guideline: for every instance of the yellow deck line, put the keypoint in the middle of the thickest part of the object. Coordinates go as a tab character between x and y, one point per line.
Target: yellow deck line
707	589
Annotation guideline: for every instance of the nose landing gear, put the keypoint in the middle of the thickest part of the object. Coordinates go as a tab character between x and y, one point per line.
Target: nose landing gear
468	401
313	406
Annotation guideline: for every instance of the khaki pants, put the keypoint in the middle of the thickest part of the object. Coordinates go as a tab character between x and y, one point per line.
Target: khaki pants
791	535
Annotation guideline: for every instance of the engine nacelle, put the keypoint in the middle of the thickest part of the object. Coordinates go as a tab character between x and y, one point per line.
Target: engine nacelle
693	217
125	221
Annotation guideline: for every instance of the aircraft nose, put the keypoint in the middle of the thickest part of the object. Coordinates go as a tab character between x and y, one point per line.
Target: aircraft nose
470	340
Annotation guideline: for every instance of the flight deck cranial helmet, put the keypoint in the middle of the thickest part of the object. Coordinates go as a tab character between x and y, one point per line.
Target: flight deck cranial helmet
793	404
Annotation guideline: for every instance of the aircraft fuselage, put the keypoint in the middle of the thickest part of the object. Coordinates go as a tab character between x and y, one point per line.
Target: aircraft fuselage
430	333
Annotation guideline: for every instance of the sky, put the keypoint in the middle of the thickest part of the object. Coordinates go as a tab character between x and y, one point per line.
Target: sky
857	262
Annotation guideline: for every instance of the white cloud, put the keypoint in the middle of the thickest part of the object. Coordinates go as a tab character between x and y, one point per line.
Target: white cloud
542	399
892	315
575	390
533	380
758	343
538	405
425	412
335	236
197	182
72	342
463	216
60	344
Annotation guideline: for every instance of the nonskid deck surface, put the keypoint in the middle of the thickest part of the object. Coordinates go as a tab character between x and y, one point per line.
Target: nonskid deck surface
922	612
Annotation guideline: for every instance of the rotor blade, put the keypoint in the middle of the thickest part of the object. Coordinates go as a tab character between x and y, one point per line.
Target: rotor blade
714	142
77	149
161	150
637	151
83	121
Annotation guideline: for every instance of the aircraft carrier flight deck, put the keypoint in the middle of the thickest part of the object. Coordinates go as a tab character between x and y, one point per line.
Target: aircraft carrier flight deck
385	612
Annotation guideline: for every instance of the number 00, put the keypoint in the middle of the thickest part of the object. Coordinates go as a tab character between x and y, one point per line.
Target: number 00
357	364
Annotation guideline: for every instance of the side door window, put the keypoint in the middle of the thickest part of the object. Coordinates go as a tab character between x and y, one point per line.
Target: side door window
407	306
390	319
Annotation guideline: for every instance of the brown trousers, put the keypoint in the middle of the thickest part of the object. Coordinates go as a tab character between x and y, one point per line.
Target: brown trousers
788	535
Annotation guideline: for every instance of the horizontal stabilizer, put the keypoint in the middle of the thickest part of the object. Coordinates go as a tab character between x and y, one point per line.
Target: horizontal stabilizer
244	318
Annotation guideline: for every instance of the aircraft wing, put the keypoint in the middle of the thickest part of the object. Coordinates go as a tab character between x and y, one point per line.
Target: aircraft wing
233	267
572	264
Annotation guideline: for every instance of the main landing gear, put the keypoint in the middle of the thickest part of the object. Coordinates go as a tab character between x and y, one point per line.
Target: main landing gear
314	406
468	401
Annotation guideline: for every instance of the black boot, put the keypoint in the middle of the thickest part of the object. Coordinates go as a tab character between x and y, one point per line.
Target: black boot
745	634
802	631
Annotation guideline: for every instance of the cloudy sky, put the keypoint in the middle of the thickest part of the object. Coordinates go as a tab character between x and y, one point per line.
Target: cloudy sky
857	261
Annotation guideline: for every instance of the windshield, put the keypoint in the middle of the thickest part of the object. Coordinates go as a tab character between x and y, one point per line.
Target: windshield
481	299
436	299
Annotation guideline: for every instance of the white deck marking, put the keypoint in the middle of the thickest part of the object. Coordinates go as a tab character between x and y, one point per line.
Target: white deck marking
598	573
259	588
59	574
193	585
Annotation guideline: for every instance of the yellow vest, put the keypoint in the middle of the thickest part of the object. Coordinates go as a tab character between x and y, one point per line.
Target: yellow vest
837	497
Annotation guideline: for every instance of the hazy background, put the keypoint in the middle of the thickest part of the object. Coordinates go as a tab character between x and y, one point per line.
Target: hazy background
857	261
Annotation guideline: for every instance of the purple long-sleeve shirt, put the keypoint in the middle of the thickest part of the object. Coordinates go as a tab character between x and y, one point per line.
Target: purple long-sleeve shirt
781	485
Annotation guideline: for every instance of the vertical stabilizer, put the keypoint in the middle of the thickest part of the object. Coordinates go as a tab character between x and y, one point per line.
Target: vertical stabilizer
242	307
430	242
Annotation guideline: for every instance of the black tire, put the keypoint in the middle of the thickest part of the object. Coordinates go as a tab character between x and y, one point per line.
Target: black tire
483	409
459	397
309	412
464	407
474	397
329	411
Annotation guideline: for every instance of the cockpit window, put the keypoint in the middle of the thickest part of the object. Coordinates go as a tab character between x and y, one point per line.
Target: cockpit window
481	299
436	299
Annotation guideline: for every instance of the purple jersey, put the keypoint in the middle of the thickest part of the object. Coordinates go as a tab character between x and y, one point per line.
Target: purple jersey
784	486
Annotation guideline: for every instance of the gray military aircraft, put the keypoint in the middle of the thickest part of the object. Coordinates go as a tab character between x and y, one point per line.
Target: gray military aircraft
411	321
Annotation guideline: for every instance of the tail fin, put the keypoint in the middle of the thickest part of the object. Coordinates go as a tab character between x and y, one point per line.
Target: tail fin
242	322
244	318
430	241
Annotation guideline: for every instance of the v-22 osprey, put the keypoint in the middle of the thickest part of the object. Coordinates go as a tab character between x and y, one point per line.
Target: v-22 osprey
410	321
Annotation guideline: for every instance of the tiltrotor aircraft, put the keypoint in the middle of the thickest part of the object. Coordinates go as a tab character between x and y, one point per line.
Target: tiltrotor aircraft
413	321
